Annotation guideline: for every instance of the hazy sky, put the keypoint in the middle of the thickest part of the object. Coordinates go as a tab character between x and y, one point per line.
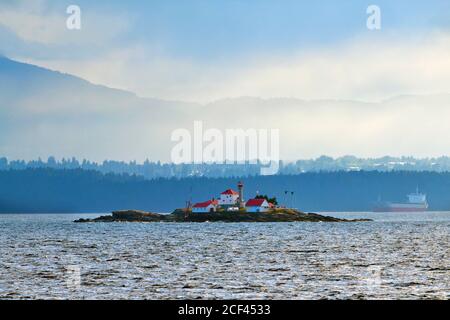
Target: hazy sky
208	50
203	50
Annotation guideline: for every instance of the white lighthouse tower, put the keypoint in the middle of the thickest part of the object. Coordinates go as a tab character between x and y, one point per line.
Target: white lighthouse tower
241	195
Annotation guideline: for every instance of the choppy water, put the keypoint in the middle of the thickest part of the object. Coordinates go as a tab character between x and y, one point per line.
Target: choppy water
397	256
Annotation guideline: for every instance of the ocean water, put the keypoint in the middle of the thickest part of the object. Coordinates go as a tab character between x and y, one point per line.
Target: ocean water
398	256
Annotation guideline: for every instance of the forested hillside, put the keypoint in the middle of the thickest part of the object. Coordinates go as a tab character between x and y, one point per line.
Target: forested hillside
49	190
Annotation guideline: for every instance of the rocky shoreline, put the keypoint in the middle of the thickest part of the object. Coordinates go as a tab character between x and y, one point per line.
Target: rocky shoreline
181	215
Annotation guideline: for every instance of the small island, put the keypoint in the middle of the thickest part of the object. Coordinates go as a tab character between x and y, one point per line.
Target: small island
182	215
230	207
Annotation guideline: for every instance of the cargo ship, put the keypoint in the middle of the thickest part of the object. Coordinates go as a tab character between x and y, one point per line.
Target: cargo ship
416	202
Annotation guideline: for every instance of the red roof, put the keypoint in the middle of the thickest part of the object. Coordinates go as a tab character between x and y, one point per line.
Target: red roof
205	204
255	202
230	191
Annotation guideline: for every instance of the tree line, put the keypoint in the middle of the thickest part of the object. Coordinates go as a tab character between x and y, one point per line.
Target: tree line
152	170
76	190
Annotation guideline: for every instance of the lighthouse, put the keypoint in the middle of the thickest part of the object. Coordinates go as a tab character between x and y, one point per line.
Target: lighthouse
241	195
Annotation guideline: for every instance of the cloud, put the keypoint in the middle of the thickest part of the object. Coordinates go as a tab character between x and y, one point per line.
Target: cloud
370	67
112	50
44	22
30	24
360	68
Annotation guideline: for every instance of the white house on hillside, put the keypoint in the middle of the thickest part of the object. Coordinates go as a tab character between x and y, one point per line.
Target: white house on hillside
228	198
205	207
229	201
257	205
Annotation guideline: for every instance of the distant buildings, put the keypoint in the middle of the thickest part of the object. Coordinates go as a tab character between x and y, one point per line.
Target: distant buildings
228	198
205	207
258	205
231	201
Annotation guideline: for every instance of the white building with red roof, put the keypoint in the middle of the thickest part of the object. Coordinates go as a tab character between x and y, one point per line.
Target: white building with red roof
258	205
205	207
228	198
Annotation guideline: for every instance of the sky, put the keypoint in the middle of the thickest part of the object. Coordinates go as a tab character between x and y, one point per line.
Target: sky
206	50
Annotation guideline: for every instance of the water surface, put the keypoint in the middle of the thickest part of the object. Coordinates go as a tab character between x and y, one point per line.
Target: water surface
397	256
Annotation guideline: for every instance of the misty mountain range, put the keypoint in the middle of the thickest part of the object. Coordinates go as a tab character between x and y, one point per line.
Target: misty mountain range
44	112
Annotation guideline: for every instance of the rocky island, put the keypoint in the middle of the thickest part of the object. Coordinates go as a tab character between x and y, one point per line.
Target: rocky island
184	215
230	207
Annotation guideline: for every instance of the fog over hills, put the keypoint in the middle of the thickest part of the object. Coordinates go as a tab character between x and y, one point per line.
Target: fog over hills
44	112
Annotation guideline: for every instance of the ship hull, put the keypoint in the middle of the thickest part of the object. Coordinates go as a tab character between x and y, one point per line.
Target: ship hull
417	202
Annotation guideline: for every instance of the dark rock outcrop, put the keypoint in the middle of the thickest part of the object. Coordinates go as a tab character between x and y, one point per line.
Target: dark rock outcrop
182	215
